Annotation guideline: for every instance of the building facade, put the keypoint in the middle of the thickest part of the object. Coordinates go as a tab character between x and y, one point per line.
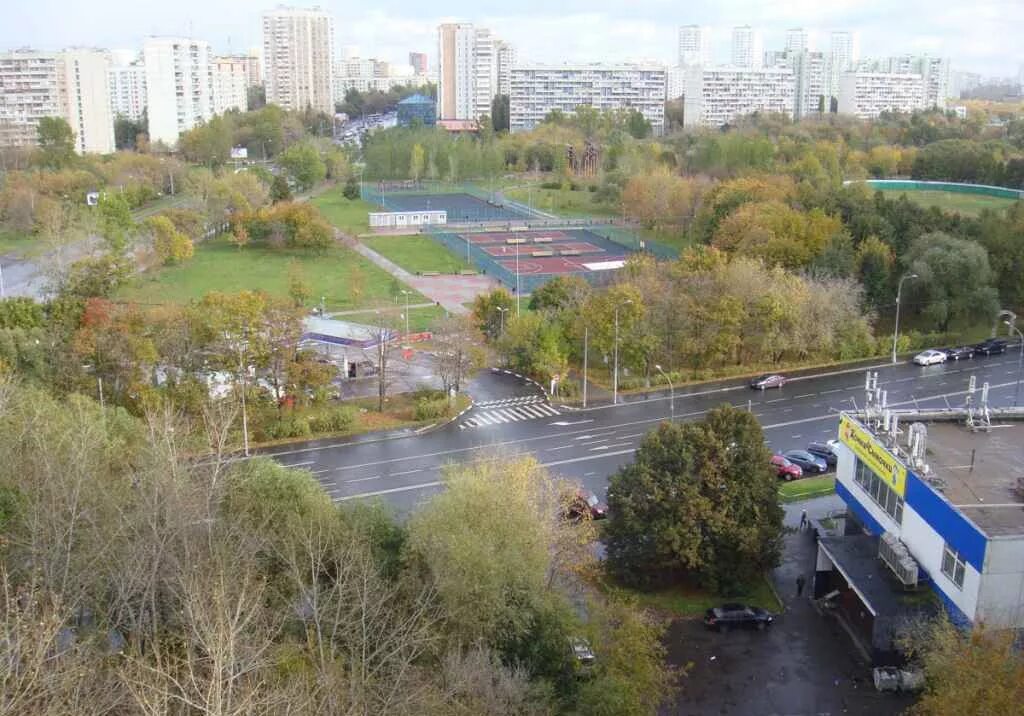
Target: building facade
694	46
298	58
417	108
506	57
842	57
797	40
179	86
84	86
128	90
747	50
715	96
539	89
473	67
866	95
934	72
418	61
29	91
230	83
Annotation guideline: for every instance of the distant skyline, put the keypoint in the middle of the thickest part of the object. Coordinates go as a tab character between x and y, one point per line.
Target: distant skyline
980	36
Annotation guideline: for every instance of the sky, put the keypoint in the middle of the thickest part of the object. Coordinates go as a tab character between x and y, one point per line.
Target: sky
978	36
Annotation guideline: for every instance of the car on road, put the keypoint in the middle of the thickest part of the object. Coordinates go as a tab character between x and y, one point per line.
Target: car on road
785	469
959	352
990	347
737	616
808	463
585	504
930	357
826	451
771	380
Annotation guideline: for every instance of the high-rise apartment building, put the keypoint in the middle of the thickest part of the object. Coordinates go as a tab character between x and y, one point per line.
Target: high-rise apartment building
796	40
369	74
230	83
485	72
29	91
540	89
810	91
254	67
715	96
418	60
506	57
473	67
298	56
933	70
694	46
84	86
128	90
843	55
179	86
746	47
866	95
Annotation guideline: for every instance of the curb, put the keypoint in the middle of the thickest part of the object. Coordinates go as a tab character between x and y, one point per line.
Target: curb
524	378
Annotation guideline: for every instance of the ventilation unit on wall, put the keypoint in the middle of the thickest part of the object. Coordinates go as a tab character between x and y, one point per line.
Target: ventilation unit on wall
897	558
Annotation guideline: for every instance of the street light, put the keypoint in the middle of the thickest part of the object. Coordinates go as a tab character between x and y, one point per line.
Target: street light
406	293
2	292
517	279
896	328
1020	361
615	373
671	393
501	319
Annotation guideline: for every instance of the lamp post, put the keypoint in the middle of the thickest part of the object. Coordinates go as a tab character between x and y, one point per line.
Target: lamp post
2	291
406	294
586	337
896	328
517	279
615	370
501	319
1020	360
671	393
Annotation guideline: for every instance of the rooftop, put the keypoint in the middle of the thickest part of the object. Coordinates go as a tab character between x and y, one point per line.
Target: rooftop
417	99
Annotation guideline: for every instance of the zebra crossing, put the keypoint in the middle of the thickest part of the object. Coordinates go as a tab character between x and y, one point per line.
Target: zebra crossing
507	402
526	409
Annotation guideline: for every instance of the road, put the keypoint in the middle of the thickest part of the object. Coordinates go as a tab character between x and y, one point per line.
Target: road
589	445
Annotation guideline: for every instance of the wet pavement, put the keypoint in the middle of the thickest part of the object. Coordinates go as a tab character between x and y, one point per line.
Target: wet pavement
804	665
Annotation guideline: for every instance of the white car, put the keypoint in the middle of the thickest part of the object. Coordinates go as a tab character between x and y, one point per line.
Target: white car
930	357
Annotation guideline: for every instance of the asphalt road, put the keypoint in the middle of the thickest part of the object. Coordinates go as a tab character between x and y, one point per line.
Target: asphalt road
511	419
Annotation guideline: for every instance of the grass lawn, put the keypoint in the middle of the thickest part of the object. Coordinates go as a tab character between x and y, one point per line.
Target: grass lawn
807	488
220	266
11	242
420	319
417	253
691	601
967	204
562	202
349	215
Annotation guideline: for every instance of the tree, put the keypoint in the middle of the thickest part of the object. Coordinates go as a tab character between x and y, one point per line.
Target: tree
637	125
559	294
298	287
127	132
56	143
209	143
304	165
460	352
489	319
170	245
417	161
115	221
955	280
699	501
351	190
500	113
533	345
279	189
660	198
777	233
875	263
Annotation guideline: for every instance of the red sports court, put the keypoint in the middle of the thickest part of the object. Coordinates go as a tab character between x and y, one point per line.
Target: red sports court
576	247
561	264
521	237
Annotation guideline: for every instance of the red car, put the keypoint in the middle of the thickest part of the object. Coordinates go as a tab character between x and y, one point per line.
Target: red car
786	470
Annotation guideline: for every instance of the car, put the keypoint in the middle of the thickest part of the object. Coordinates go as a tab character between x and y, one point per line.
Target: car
737	616
959	352
770	380
990	347
807	462
826	451
785	469
930	357
584	503
582	658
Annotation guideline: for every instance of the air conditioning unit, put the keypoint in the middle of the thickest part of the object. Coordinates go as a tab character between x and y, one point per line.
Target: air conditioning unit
897	557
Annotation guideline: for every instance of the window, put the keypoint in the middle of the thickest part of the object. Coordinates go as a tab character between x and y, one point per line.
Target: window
879	491
953	566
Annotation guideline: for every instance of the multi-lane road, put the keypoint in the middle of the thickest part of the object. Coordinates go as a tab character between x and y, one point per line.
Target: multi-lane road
510	419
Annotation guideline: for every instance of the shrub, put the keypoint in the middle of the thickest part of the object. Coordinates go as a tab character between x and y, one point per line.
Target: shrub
431	409
335	420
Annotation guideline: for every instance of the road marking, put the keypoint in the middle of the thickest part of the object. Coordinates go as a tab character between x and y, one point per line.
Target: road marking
421	486
609	447
406	472
805	395
561	447
776	400
588	474
364	479
794	437
837	390
298	464
565	423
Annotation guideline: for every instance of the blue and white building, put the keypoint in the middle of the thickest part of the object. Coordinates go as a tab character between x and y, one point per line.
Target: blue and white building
934	508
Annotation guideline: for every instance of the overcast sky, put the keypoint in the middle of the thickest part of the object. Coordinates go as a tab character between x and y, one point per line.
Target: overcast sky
984	36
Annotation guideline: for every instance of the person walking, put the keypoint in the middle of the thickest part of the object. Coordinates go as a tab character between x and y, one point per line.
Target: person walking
804	522
800	582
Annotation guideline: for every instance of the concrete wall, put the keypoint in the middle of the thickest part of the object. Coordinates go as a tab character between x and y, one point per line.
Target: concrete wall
1001	598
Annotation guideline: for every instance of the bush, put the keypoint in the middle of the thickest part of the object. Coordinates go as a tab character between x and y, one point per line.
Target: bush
335	420
289	427
431	409
551	185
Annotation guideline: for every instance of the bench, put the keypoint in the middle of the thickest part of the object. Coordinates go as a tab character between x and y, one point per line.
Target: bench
571	252
515	241
542	240
430	273
467	272
540	254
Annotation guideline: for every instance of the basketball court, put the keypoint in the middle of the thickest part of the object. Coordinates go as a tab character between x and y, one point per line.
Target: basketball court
544	252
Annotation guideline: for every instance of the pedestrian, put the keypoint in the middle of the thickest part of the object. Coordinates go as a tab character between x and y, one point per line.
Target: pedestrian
804	522
800	582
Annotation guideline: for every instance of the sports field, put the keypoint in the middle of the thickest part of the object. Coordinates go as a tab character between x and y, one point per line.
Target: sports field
461	208
543	251
966	204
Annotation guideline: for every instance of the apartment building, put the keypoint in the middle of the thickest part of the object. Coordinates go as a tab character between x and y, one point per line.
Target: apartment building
179	86
694	46
506	58
810	77
747	47
934	71
866	95
367	74
127	90
230	83
473	67
298	56
844	49
715	96
418	60
539	89
797	40
84	85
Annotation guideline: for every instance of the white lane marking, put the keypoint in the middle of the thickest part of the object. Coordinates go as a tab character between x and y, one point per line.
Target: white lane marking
483	420
321	472
805	395
510	413
363	479
298	464
609	447
497	417
548	409
776	400
837	390
794	437
405	472
566	423
588	474
561	447
421	486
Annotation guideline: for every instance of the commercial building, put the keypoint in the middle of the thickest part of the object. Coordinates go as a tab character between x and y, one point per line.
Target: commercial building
298	57
179	86
539	89
694	46
747	49
230	83
128	90
843	55
417	108
84	86
866	95
935	508
715	96
473	67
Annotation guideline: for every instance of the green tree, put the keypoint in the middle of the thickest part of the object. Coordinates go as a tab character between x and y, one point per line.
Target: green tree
955	280
279	190
208	144
298	287
170	245
637	125
56	143
115	221
534	346
486	314
417	162
875	264
351	190
500	113
304	165
699	501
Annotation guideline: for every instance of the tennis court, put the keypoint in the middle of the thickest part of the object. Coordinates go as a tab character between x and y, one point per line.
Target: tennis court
460	208
564	248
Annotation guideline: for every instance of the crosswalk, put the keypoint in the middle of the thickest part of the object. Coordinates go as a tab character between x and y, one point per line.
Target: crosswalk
507	402
513	413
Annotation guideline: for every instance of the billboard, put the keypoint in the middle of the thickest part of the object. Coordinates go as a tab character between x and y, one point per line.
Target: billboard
873	454
239	153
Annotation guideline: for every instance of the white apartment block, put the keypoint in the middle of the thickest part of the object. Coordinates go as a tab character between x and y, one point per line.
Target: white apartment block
506	57
473	67
128	90
84	82
810	73
746	47
28	92
694	46
675	82
539	89
298	56
179	86
715	96
868	94
369	74
485	72
843	55
797	40
933	70
230	83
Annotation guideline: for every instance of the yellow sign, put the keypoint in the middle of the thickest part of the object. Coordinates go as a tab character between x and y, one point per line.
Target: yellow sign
873	454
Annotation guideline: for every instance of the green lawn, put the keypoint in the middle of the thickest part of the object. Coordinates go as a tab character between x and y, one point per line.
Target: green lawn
349	215
417	253
562	202
807	488
967	204
690	601
220	266
420	319
11	242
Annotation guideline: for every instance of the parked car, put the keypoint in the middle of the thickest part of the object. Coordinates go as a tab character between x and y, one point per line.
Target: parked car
826	451
786	470
990	347
930	357
582	657
959	352
763	382
584	503
808	463
737	616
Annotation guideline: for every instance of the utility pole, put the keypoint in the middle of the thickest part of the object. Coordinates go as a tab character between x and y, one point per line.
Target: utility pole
586	331
245	415
406	313
615	370
671	393
517	280
1020	360
3	294
896	327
